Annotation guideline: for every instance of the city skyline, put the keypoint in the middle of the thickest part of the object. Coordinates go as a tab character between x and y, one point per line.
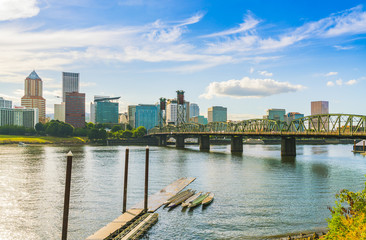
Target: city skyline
238	55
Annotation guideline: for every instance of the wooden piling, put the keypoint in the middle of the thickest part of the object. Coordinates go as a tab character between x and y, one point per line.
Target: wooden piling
146	179
67	196
125	182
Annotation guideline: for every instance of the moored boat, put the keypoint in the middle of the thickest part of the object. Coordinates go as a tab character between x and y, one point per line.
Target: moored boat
171	199
191	199
181	199
198	201
208	199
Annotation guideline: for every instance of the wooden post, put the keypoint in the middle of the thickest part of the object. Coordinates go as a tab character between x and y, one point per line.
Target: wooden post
363	141
146	179
125	182
67	196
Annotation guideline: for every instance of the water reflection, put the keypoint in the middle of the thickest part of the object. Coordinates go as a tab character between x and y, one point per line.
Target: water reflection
258	193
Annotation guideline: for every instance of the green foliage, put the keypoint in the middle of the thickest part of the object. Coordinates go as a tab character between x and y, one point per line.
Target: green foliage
127	134
39	127
16	130
116	128
81	132
89	125
139	132
58	129
97	134
348	219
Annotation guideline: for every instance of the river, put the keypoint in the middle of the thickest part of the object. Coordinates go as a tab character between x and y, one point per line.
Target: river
257	194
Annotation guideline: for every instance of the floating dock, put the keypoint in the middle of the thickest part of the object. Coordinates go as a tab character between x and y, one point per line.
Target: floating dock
134	222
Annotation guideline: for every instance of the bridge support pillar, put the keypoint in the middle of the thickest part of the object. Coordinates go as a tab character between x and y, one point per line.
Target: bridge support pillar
162	140
179	141
236	144
288	146
204	142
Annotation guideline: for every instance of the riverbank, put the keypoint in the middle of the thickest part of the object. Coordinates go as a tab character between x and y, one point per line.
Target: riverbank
15	139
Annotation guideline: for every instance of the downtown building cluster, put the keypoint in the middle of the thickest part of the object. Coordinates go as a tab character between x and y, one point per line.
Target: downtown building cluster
105	109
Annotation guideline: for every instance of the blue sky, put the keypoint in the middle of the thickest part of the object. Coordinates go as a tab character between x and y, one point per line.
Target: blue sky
245	55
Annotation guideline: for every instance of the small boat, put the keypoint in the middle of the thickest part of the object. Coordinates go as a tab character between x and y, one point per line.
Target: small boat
175	197
22	144
191	199
198	201
181	199
208	199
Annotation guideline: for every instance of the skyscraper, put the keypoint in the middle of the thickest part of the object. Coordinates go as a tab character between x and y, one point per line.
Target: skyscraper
276	114
146	115
106	110
131	115
319	107
70	83
217	114
194	110
33	90
75	109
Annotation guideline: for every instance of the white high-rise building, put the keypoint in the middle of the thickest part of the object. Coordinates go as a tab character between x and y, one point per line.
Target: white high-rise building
5	103
171	112
70	83
59	113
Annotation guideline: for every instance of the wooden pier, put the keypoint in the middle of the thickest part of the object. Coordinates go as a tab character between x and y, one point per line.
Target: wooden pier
134	222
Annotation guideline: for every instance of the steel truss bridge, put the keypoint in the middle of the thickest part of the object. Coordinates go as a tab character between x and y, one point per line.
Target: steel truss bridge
314	126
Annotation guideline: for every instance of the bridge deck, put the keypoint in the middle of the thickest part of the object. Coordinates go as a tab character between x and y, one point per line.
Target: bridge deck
155	201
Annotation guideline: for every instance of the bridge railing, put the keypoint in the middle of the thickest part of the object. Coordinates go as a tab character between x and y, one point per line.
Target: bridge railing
332	124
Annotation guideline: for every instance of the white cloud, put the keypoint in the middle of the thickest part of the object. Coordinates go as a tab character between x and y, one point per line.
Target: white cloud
249	23
14	9
330	84
338	47
251	70
351	82
331	74
350	21
248	88
265	73
339	82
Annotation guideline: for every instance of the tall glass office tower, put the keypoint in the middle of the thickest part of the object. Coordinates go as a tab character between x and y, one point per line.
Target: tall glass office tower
70	83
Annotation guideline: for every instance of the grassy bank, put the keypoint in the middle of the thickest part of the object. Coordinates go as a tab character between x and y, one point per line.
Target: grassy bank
14	139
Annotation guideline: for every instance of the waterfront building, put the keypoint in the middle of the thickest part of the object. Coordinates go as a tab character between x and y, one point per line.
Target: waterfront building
146	115
26	117
59	112
70	83
217	114
319	107
75	109
92	118
194	110
123	118
276	114
33	91
131	115
106	110
293	116
199	119
5	103
172	111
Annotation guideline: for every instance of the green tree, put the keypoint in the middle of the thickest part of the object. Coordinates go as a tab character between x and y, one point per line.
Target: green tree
93	134
348	219
139	132
127	134
89	125
116	128
39	127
